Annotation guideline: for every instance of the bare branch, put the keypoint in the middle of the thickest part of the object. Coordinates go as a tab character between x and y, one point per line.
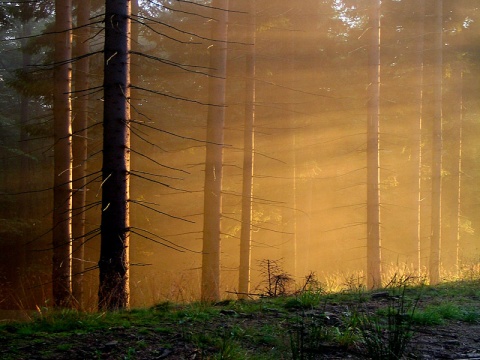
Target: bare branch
143	203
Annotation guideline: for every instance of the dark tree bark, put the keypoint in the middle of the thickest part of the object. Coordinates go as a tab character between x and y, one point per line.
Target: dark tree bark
114	261
248	158
79	150
210	290
26	162
62	203
435	238
373	156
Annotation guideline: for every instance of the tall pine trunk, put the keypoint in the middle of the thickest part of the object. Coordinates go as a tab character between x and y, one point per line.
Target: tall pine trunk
373	157
289	213
459	172
79	124
114	260
435	241
419	16
248	158
210	287
26	162
62	203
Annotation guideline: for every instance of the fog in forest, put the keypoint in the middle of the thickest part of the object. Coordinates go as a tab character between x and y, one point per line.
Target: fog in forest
311	116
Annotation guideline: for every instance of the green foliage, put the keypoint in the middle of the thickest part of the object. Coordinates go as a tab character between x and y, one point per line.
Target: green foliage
227	346
267	335
311	294
59	321
261	329
438	314
64	347
307	335
386	336
354	285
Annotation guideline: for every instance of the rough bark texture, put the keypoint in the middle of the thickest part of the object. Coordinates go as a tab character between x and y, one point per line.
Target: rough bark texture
210	290
62	204
79	124
373	158
114	262
435	242
248	159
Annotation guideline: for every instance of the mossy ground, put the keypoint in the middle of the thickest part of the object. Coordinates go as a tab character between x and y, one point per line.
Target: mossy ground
308	325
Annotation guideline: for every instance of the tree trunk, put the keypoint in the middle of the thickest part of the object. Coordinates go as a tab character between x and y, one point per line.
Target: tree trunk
114	261
373	157
419	16
248	159
459	173
80	123
210	290
26	162
435	241
62	203
289	213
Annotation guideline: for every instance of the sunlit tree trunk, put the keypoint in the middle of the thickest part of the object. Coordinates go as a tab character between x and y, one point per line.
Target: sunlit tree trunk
135	25
248	158
459	173
289	196
210	290
419	17
114	290
373	158
452	170
135	68
79	124
451	167
289	215
435	241
62	203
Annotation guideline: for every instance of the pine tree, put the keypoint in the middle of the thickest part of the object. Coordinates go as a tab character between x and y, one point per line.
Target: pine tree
115	227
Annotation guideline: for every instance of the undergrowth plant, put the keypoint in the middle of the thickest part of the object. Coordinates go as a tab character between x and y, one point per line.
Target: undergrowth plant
387	334
311	333
355	285
306	335
276	281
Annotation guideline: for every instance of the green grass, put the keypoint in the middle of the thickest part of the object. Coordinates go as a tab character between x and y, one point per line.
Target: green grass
286	327
438	314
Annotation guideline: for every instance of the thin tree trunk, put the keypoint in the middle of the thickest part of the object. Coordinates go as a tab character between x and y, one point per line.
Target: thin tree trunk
210	287
373	157
135	68
248	159
114	290
419	63
80	123
62	203
26	163
459	174
435	238
289	213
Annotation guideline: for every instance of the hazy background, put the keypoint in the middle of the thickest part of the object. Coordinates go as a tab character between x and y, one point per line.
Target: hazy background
309	206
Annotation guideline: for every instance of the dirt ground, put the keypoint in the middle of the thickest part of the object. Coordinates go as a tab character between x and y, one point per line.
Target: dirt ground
174	340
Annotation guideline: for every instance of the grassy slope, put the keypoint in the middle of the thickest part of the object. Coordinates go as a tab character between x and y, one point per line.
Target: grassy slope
301	326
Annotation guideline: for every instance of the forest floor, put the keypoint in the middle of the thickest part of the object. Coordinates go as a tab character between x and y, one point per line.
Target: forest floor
441	322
